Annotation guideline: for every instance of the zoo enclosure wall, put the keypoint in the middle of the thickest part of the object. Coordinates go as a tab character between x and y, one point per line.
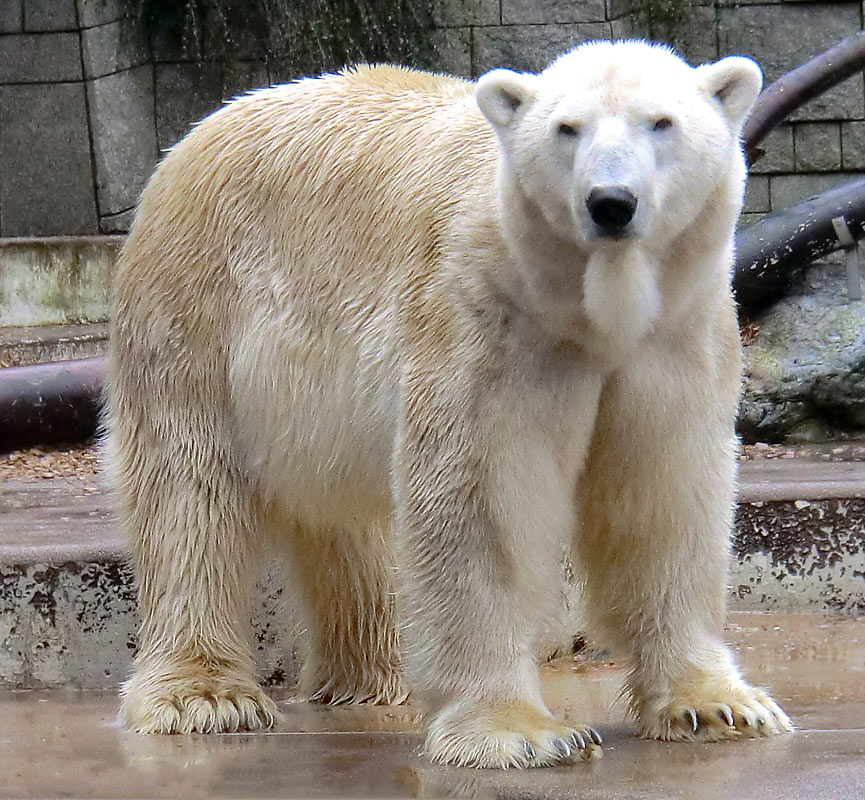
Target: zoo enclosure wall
93	91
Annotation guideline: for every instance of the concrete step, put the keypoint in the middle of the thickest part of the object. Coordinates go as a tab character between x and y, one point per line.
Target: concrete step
41	344
68	613
800	531
67	602
56	280
55	297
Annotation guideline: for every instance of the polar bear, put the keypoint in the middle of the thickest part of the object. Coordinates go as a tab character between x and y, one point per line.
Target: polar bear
425	337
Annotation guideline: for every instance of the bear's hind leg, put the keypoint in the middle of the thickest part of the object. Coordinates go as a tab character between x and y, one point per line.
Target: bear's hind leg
346	578
193	537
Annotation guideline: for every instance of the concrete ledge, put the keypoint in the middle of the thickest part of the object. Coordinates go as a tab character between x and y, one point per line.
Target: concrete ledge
800	479
68	613
41	344
56	522
56	280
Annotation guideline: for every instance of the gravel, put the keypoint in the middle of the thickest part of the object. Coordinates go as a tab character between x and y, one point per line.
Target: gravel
82	461
45	463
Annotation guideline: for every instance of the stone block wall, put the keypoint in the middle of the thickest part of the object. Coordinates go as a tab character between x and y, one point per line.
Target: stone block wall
89	98
77	131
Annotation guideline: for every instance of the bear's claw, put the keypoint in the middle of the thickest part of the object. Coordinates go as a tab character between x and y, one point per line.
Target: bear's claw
691	718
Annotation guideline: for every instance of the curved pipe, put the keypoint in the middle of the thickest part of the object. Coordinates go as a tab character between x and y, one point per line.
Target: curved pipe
44	403
770	252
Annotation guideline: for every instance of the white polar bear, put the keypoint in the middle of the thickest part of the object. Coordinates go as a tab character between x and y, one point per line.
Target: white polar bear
425	337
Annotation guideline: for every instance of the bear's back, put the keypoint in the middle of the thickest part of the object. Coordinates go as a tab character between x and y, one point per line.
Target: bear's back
277	162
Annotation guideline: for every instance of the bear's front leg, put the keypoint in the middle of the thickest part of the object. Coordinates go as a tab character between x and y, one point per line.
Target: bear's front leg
657	501
484	497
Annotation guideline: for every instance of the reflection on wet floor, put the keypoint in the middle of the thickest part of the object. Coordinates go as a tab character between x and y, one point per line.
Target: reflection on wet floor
67	744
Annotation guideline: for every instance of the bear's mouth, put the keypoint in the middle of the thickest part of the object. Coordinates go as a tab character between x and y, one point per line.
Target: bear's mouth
618	235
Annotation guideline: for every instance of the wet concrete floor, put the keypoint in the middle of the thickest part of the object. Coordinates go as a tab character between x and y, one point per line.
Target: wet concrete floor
55	744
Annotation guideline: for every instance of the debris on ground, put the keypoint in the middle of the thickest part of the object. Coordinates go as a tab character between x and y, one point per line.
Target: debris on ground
45	463
824	451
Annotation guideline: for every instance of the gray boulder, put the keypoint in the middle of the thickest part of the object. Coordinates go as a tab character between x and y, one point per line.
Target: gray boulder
805	369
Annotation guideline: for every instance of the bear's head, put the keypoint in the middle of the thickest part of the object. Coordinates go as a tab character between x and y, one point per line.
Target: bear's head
622	142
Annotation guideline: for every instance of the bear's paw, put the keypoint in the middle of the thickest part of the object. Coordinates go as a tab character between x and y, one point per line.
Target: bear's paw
501	736
386	692
711	716
166	703
358	682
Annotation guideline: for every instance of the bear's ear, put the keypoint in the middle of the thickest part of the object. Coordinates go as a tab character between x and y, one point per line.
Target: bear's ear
735	83
502	93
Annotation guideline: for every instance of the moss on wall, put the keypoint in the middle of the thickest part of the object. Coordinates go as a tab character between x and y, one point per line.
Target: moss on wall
660	18
303	36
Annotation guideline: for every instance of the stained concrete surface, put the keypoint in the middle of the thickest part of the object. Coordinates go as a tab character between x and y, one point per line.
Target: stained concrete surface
56	280
55	744
68	614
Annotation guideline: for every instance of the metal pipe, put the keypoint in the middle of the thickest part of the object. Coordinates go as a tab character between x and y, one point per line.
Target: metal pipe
771	252
47	403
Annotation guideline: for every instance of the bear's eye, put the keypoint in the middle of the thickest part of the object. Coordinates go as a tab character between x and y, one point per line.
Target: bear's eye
662	124
568	129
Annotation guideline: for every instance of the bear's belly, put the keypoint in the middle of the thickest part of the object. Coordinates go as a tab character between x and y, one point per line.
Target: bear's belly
315	415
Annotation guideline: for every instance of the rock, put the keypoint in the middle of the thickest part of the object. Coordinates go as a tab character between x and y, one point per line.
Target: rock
805	369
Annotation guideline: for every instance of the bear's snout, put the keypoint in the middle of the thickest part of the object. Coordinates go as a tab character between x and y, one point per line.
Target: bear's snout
611	208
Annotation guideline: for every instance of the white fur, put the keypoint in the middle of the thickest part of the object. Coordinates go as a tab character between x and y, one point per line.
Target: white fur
360	321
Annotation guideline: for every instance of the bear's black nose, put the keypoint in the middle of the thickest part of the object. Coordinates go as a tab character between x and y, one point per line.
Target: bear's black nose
611	208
